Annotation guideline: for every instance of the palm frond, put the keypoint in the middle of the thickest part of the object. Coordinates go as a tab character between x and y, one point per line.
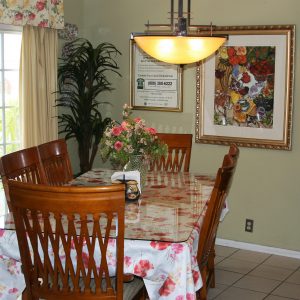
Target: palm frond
82	76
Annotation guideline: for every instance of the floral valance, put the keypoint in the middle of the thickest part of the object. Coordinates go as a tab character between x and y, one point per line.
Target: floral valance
42	13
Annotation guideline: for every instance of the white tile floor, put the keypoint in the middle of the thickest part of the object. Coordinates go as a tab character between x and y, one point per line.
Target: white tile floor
248	275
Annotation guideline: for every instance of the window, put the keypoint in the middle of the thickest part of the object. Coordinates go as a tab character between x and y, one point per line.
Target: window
10	133
10	47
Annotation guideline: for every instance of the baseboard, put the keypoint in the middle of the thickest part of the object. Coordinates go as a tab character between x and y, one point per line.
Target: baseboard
258	248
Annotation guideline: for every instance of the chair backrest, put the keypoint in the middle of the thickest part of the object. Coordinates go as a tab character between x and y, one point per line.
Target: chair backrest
23	165
215	205
179	153
69	236
234	151
56	162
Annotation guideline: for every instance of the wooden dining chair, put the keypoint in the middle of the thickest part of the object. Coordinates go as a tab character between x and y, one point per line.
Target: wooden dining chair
56	162
179	153
234	154
23	165
208	230
59	239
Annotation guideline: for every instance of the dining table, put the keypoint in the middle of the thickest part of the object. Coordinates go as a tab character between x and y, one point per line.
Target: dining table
161	234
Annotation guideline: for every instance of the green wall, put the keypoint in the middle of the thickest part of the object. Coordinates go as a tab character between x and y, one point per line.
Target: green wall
266	186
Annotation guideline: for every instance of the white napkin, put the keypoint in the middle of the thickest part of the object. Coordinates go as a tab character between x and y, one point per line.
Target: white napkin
129	175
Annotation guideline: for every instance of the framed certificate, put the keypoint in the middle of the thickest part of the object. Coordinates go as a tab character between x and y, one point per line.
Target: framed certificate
154	85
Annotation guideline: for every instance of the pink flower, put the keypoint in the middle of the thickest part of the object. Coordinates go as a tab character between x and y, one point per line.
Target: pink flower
196	276
40	5
142	268
177	248
85	259
1	232
179	297
137	120
13	291
31	16
112	242
118	145
127	261
116	131
159	245
18	16
124	125
190	296
43	24
151	130
167	288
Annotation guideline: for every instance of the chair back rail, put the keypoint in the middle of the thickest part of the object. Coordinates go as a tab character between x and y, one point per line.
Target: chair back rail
234	151
70	219
23	165
56	162
179	153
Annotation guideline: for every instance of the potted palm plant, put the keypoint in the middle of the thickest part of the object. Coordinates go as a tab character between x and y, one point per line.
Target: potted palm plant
82	76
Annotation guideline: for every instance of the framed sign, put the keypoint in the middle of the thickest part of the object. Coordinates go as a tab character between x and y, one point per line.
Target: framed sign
154	85
245	91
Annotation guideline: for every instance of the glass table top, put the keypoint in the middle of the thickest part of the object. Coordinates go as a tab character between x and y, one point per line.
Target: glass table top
168	210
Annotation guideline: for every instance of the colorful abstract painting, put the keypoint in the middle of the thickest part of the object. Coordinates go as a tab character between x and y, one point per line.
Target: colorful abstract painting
244	86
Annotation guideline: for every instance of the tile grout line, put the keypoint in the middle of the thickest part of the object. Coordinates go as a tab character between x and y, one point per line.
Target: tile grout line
243	275
284	281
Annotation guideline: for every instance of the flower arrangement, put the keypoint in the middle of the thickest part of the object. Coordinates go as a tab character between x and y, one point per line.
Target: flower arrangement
131	137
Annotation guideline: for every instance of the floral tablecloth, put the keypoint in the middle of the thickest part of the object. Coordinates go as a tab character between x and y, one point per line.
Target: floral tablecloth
162	232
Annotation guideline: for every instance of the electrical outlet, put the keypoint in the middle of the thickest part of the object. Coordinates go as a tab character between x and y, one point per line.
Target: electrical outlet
249	225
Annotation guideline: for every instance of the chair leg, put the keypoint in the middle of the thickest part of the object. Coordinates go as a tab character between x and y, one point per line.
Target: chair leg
211	268
25	295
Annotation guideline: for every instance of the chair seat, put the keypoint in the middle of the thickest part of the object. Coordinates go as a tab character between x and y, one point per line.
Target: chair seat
130	289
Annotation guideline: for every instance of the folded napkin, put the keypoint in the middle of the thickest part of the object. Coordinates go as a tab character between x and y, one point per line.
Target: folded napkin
129	175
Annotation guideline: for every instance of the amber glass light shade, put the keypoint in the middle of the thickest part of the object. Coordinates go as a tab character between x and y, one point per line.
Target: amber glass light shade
179	49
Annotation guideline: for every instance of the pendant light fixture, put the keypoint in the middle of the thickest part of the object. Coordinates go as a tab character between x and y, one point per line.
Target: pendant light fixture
179	42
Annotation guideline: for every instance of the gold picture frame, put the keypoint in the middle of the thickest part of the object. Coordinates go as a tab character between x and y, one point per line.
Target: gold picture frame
244	93
154	85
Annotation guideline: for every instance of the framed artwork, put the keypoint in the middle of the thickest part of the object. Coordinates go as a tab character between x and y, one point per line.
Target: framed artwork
245	91
154	85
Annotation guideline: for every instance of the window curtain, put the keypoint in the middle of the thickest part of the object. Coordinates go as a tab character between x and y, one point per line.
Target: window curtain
38	67
38	82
